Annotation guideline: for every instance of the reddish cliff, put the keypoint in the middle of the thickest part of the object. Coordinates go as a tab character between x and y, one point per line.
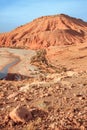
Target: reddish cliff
47	31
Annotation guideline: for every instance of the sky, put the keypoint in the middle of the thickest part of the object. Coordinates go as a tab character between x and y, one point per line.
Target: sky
14	13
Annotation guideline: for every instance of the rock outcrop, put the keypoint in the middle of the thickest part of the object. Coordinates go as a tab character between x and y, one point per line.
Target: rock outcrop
46	31
20	114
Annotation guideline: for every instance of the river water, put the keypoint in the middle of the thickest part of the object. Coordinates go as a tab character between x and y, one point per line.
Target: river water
4	71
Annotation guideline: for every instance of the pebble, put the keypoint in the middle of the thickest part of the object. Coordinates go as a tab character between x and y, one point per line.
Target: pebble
25	88
71	73
12	95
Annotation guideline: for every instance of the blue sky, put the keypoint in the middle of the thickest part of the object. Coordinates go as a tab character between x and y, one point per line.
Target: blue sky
14	13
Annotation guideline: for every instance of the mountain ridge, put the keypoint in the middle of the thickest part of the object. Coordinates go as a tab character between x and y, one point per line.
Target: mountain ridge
46	31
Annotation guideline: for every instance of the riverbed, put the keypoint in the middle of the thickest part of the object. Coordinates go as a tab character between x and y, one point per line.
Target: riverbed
16	61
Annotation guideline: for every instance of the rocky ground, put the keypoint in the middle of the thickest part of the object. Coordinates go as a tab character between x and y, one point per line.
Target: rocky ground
55	101
54	98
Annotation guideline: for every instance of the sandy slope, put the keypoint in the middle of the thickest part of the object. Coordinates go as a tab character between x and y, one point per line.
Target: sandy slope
73	57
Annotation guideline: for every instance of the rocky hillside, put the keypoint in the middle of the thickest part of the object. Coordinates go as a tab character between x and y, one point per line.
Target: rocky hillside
47	31
55	101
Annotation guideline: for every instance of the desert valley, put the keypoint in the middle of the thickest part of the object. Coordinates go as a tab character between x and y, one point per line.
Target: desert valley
43	75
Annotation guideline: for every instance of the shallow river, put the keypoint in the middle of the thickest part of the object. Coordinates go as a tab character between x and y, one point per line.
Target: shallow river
4	71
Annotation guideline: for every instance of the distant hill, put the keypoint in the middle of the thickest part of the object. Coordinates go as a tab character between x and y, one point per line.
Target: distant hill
46	31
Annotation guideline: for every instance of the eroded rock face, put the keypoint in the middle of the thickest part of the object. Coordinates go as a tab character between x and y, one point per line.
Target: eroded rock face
20	114
46	31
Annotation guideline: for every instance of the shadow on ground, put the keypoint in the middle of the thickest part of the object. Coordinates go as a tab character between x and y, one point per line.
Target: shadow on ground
12	76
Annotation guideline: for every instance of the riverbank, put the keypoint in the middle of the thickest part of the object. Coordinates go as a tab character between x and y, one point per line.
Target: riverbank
5	58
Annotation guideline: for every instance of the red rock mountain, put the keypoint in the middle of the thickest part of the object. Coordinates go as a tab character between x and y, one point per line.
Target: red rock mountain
47	31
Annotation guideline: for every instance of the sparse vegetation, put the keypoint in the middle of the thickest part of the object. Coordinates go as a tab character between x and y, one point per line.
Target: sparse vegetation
40	57
40	60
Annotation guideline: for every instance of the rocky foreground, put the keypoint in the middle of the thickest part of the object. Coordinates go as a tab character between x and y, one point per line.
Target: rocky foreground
51	101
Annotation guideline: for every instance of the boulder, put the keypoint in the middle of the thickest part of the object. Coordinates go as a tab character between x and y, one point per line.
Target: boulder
20	114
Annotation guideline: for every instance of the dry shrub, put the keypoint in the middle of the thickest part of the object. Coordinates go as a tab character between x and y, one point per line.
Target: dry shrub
40	57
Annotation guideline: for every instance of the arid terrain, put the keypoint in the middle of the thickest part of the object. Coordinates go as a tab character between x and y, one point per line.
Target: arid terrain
46	31
44	88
